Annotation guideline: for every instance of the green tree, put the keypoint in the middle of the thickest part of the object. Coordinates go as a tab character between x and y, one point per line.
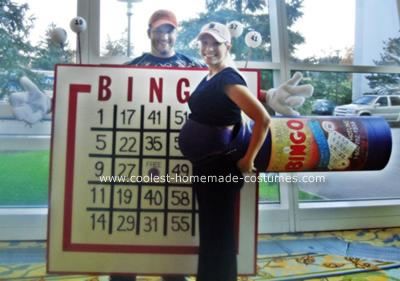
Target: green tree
387	82
48	53
253	16
116	47
238	5
334	86
15	49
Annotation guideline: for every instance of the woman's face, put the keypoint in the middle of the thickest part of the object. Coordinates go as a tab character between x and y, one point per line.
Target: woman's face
213	52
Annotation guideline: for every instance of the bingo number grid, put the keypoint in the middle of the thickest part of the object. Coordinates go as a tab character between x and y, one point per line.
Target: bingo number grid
150	192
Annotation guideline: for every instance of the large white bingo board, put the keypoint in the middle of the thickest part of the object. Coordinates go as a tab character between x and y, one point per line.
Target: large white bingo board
124	121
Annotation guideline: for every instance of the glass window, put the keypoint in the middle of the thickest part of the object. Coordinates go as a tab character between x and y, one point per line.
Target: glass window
30	50
383	101
334	94
395	101
116	15
333	89
355	186
42	20
269	191
347	32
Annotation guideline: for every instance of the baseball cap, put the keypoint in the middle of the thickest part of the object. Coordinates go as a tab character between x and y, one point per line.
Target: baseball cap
219	31
161	17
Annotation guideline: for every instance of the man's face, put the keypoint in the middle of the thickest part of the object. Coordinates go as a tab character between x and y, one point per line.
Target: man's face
163	40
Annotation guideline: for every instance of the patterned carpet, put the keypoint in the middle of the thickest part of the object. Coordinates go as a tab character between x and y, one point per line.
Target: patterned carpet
360	255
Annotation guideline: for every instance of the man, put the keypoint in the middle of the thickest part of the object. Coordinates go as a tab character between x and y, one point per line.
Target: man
162	33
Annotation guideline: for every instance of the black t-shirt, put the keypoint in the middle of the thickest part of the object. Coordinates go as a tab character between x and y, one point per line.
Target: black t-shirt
209	104
177	60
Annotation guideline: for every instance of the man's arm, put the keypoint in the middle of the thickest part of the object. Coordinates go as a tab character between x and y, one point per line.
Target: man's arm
31	105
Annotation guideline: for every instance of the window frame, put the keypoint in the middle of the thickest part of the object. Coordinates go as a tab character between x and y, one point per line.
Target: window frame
289	215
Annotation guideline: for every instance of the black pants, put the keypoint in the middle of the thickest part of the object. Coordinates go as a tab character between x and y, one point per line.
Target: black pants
217	205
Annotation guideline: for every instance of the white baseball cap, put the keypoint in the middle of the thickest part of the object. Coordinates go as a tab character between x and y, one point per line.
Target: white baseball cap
219	31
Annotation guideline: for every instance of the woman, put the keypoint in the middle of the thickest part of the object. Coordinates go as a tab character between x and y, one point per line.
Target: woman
216	106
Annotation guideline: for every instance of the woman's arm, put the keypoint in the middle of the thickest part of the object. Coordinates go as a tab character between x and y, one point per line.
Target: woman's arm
253	108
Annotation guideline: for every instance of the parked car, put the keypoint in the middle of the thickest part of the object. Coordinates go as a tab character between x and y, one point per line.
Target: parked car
387	106
322	107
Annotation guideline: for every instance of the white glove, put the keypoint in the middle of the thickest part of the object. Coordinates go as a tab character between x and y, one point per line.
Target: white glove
288	96
32	105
